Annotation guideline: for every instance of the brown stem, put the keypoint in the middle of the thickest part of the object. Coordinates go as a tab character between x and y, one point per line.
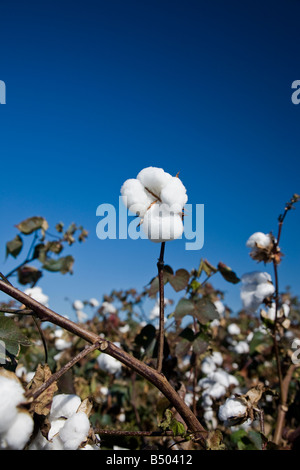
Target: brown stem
160	266
282	409
150	374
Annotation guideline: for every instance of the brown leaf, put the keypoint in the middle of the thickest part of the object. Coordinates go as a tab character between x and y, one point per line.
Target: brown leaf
42	404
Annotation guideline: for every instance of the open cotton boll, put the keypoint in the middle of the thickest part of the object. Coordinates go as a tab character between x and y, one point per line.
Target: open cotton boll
255	288
154	179
37	294
232	408
12	394
135	197
94	302
233	329
64	405
107	307
161	225
75	431
174	195
259	238
108	363
242	347
18	434
78	305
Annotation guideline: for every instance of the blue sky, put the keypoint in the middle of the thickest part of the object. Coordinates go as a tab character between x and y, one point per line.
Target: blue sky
98	90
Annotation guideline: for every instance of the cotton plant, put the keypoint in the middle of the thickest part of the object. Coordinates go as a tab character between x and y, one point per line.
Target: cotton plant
16	424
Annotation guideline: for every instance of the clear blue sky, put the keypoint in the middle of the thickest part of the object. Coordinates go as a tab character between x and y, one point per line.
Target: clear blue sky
98	90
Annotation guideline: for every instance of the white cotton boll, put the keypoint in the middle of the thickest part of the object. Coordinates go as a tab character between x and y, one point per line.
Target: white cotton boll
286	310
233	329
56	426
242	347
18	434
94	302
160	225
216	391
256	277
220	307
154	313
64	405
250	337
259	238
154	179
108	364
55	444
81	316
78	305
12	394
107	307
217	358
135	197
255	288
208	365
206	401
232	408
223	378
174	195
75	431
124	329
37	294
62	344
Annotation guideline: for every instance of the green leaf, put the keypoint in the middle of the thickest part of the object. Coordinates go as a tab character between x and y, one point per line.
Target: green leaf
205	311
11	336
183	308
200	344
227	273
62	265
32	224
14	247
179	280
177	427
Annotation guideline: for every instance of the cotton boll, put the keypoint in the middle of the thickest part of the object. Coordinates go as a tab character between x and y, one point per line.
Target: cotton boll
174	195
135	197
242	347
78	305
154	179
255	288
208	366
94	302
217	358
18	434
62	344
107	307
232	408
108	364
233	329
64	405
12	394
81	316
161	225
75	431
259	238
37	294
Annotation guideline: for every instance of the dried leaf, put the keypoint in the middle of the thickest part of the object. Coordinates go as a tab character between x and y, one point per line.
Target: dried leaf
42	404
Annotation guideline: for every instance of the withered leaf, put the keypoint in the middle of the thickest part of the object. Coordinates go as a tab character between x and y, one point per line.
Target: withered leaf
42	404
